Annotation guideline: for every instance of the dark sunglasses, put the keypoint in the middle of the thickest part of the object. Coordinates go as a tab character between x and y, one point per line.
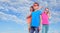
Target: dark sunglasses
35	5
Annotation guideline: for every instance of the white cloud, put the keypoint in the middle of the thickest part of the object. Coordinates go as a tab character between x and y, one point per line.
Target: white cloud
20	6
55	17
8	17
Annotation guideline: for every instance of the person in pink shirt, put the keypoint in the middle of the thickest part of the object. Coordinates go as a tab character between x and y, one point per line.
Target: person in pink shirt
45	20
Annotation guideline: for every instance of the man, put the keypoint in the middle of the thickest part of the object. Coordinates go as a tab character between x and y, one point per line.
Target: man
35	19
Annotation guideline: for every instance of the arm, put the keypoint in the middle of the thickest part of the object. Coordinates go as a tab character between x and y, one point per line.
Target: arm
29	16
49	15
29	20
40	22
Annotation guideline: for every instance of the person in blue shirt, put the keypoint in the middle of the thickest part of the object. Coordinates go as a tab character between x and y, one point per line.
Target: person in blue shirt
35	19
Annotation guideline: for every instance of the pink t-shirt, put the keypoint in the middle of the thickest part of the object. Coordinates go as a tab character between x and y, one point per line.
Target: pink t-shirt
45	19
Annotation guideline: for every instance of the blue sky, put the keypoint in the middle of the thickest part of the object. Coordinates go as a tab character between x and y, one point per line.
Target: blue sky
13	15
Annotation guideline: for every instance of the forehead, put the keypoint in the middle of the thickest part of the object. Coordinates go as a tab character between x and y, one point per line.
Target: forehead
35	4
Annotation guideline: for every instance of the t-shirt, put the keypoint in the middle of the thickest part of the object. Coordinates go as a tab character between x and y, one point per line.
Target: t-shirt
36	18
45	19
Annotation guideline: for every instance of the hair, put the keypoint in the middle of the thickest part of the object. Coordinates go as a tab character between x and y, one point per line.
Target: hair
48	10
32	11
36	3
32	8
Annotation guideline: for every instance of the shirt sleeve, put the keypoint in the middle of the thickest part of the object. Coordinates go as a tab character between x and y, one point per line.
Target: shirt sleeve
40	12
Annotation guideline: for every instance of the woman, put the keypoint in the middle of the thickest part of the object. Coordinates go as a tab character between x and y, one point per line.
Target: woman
45	20
29	17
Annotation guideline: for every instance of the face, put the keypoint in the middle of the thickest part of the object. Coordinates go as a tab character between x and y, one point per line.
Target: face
31	9
46	10
35	6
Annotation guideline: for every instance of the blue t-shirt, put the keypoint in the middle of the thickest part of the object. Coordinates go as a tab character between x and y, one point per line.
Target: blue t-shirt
36	18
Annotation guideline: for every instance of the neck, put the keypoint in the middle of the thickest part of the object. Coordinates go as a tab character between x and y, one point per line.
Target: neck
36	9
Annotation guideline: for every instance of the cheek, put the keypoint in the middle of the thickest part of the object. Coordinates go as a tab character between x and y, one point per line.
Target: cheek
46	9
36	7
31	9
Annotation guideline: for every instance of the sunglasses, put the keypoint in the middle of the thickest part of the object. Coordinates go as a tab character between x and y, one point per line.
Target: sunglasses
35	5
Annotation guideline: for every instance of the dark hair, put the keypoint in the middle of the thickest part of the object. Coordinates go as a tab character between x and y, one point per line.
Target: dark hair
46	8
36	3
32	8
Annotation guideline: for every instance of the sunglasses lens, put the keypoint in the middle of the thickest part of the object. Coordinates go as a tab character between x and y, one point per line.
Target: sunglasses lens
35	5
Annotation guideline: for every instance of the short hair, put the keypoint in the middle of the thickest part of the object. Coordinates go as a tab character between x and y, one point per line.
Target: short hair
36	3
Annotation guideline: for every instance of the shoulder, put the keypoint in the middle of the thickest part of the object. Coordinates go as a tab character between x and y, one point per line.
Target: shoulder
32	13
40	10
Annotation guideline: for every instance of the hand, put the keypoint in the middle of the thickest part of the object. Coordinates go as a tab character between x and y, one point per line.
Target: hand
29	28
39	28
